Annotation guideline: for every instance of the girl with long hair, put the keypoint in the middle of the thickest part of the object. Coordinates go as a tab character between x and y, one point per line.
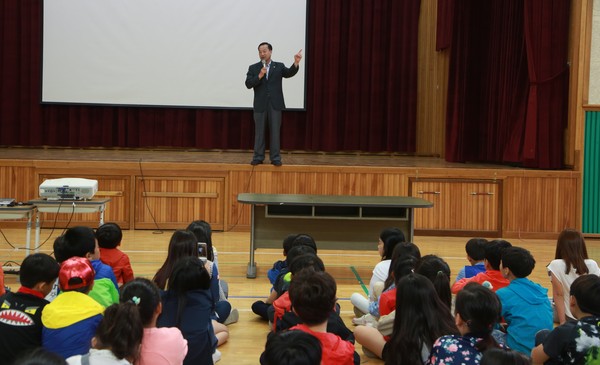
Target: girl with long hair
438	272
421	318
477	311
388	239
187	305
160	345
183	245
118	337
570	261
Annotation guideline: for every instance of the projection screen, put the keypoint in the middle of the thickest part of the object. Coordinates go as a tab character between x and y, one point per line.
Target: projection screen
188	53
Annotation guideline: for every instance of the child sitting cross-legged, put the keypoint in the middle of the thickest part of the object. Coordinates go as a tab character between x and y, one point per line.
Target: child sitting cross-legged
70	320
525	304
475	249
21	311
313	296
160	346
117	339
109	236
575	342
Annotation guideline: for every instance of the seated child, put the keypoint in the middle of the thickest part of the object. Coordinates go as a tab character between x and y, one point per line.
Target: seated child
281	265
492	274
475	249
70	320
526	307
313	296
109	237
388	239
401	267
81	242
164	345
188	305
283	317
402	251
282	282
21	312
291	348
118	337
575	342
477	311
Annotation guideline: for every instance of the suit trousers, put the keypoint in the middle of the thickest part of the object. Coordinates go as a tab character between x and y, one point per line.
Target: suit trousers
273	118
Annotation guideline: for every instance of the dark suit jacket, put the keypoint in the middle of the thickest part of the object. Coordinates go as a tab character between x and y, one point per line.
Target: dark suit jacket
271	89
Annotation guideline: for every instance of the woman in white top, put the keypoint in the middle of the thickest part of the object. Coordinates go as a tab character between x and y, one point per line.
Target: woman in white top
571	261
388	238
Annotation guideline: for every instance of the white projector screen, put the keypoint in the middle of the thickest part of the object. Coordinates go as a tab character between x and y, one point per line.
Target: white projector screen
190	53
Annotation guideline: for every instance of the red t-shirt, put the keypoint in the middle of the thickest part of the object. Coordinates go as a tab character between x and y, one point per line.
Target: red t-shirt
335	351
494	277
387	302
119	261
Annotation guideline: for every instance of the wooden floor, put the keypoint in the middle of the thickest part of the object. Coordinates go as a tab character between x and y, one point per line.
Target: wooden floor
299	158
147	250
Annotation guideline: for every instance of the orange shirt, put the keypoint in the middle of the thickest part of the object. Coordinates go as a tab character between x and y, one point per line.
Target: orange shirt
119	261
494	277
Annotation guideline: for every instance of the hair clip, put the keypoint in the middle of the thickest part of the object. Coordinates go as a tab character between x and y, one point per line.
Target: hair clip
440	272
135	300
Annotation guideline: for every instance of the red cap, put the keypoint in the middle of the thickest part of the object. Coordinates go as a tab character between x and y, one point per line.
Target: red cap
75	267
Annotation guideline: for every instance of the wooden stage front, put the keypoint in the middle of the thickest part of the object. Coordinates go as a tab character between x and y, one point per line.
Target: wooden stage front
166	189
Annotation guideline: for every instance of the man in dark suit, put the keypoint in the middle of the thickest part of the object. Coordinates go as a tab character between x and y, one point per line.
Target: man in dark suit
265	78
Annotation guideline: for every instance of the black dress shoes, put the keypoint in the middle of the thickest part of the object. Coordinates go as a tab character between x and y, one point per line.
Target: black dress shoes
276	163
255	162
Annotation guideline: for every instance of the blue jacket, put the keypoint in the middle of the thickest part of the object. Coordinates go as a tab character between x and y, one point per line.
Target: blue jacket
526	309
104	271
195	324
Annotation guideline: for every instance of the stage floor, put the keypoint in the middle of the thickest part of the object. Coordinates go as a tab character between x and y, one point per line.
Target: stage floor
294	158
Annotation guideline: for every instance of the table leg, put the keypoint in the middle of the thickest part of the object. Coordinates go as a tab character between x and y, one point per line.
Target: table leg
251	272
101	215
411	223
28	234
37	230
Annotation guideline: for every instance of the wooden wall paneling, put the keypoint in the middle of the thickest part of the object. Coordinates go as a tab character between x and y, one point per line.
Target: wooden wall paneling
18	183
482	206
174	202
431	218
459	206
117	188
540	206
239	214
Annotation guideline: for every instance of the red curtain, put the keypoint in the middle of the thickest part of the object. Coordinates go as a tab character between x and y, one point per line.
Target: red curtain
508	87
361	90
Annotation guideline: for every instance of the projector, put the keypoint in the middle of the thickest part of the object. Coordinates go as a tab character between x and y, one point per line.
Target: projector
72	188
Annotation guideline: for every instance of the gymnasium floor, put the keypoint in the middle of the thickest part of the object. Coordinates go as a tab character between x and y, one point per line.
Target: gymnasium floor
147	251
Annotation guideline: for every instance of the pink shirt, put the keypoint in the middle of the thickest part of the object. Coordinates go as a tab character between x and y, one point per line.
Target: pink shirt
162	346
